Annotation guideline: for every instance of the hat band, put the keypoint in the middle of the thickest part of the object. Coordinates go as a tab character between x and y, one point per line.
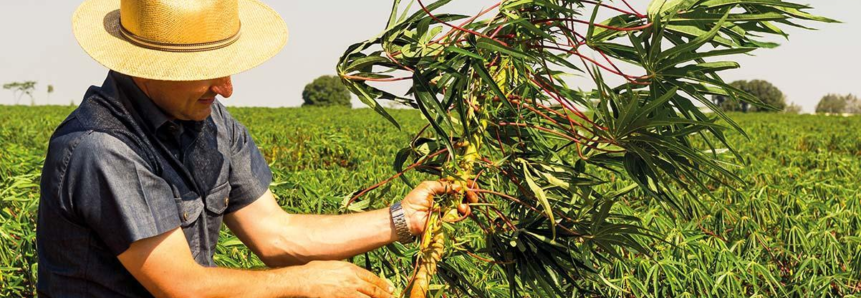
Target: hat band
177	47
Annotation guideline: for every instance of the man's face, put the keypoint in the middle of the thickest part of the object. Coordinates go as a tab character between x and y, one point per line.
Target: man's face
186	100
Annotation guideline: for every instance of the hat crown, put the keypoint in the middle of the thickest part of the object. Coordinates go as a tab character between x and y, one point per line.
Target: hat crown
181	21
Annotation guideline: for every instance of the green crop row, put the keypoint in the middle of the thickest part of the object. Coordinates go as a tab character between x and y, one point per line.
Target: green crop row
791	231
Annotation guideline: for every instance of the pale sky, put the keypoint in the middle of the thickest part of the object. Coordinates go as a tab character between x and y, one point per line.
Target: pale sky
38	45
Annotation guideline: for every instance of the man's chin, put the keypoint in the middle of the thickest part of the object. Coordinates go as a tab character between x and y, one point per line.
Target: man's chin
202	117
199	116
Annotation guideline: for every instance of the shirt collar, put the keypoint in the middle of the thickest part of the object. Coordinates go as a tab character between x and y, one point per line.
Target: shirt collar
151	114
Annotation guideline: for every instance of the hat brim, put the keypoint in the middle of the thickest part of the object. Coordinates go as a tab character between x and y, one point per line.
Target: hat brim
97	28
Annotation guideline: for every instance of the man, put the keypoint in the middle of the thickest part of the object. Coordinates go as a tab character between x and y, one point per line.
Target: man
139	179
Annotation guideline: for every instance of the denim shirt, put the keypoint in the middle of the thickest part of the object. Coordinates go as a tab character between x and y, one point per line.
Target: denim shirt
118	170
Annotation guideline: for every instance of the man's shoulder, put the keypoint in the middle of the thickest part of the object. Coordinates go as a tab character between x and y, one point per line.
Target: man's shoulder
94	133
73	157
89	147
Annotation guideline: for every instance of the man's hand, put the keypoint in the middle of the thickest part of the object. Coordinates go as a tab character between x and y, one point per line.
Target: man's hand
341	279
418	202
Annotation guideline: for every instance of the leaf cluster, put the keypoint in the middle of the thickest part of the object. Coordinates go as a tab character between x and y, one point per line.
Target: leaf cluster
539	149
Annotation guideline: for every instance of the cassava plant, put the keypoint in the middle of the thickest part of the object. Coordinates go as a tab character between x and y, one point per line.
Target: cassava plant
541	162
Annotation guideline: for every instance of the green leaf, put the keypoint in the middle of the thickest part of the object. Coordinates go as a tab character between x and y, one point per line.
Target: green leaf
464	52
369	99
695	43
682	58
431	107
492	45
541	196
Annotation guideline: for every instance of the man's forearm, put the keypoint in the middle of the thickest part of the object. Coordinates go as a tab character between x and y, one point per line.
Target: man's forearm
224	282
159	262
304	238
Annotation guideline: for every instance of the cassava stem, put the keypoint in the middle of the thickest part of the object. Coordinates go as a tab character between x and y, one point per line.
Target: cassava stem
432	249
433	242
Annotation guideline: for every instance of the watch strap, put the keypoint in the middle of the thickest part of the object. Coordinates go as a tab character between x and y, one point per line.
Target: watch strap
401	226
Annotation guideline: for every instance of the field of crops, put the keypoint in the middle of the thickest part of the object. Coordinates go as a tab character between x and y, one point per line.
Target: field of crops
793	230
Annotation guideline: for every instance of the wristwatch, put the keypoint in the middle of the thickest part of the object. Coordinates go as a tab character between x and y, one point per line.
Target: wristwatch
401	226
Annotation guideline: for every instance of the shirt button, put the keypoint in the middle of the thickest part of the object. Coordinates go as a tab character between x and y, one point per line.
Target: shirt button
185	216
225	201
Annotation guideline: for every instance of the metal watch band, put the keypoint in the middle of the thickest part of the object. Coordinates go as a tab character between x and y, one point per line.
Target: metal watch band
401	226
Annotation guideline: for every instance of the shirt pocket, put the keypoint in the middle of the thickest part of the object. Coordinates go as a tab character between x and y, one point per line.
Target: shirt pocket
218	198
190	206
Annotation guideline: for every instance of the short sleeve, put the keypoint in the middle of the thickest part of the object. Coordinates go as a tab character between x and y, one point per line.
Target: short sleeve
116	193
250	175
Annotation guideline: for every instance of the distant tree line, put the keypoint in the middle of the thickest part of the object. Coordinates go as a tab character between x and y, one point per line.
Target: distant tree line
774	100
839	104
19	89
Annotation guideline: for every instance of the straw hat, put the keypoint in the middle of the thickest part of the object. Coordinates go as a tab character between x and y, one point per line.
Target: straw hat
179	40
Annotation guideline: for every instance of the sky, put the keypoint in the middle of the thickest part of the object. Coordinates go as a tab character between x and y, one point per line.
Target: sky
39	46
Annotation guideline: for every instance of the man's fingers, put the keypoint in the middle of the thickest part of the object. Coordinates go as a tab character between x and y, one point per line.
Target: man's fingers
375	291
440	187
378	284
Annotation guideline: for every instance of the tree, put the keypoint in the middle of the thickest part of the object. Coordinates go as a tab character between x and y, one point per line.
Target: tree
536	212
731	105
770	97
834	104
853	104
793	108
19	89
50	90
326	91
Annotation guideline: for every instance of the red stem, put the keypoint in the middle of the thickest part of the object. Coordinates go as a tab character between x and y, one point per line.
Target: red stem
487	260
575	52
558	97
544	129
570	138
358	78
513	199
504	218
638	28
640	15
467	22
457	27
576	45
412	166
398	62
613	8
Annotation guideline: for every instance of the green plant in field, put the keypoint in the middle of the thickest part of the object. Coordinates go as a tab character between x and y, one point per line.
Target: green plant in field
773	98
326	91
540	160
794	232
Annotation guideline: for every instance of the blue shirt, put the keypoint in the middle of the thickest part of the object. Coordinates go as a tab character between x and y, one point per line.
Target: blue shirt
119	170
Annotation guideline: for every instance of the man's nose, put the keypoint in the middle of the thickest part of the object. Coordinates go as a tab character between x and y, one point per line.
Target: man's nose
223	87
